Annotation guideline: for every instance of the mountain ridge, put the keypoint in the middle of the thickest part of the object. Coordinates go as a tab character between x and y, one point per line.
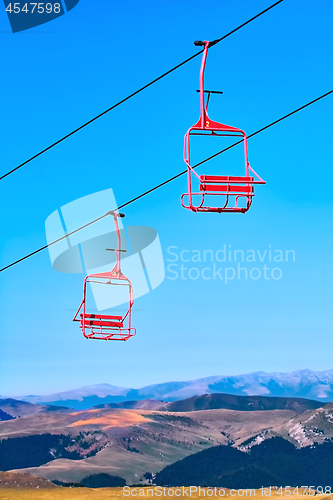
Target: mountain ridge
218	401
308	384
12	408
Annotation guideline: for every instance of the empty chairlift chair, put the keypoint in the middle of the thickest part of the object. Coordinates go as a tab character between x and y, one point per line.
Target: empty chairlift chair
228	190
104	326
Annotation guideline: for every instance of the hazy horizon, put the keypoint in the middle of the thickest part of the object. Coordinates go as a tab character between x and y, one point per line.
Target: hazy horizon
136	387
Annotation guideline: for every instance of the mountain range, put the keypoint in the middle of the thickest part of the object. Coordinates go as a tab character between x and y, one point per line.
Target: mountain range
307	384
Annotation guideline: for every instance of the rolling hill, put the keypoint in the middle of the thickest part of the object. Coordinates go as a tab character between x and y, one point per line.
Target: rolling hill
10	480
220	401
242	403
17	409
128	442
125	442
312	426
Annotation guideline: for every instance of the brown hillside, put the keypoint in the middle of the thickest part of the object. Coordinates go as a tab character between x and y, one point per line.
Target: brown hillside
23	480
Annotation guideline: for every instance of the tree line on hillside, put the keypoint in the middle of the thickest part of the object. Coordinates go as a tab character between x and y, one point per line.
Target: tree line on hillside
33	451
274	462
102	480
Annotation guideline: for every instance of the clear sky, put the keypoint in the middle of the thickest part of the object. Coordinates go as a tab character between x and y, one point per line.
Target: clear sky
59	75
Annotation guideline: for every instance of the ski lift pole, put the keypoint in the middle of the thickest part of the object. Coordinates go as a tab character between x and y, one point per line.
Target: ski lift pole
118	250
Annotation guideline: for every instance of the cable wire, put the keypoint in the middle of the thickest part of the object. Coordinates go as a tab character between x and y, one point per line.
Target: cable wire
136	92
165	182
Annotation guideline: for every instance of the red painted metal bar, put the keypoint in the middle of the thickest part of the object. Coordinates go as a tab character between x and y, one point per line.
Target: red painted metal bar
203	111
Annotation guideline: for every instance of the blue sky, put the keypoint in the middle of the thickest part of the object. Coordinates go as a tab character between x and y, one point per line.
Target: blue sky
59	75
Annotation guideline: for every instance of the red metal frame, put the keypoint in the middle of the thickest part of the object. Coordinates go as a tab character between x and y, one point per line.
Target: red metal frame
229	187
102	326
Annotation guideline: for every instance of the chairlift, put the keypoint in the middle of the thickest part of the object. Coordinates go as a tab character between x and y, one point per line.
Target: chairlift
229	189
102	326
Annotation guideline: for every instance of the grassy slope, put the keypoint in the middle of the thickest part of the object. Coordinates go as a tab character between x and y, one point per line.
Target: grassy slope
160	438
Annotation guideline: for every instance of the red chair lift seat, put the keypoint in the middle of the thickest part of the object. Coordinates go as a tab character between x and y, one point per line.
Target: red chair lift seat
239	187
230	188
102	320
105	326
